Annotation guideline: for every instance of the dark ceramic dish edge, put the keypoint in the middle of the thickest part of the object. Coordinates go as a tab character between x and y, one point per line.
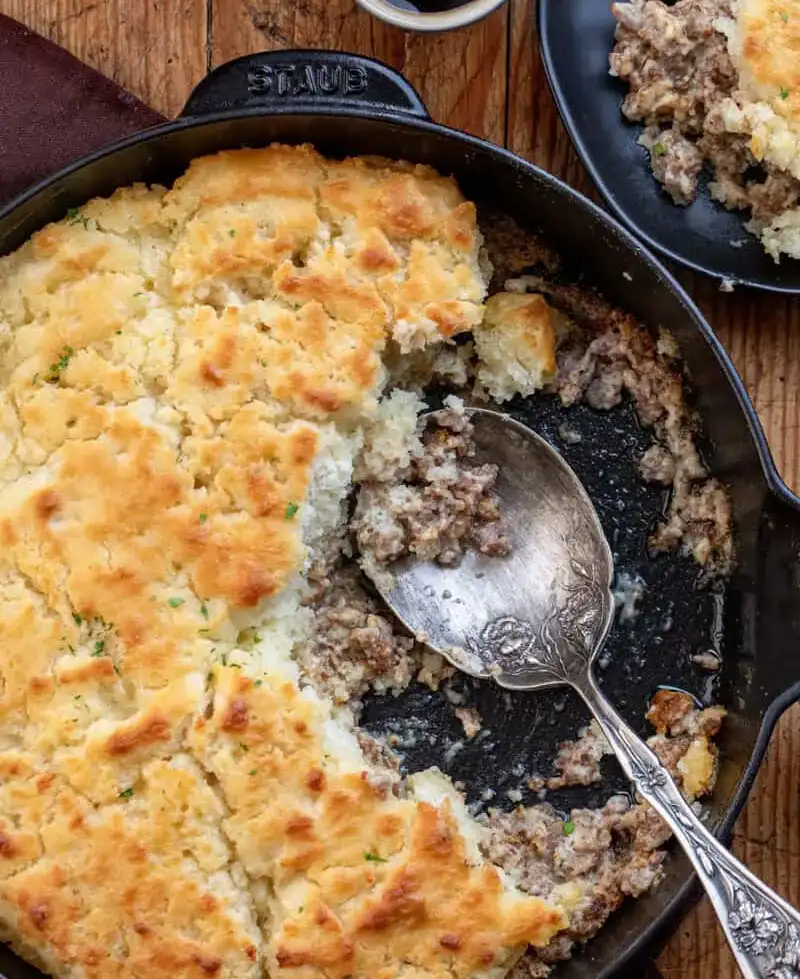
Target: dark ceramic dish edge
762	273
383	95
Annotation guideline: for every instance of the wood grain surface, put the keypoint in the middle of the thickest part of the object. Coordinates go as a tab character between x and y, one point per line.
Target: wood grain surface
488	80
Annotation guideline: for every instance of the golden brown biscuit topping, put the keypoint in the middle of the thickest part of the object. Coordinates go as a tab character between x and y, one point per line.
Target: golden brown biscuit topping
184	379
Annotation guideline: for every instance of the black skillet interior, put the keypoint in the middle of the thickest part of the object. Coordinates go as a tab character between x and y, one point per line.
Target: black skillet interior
676	619
753	624
703	236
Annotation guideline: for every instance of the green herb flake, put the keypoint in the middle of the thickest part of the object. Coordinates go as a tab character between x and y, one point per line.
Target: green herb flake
117	670
224	659
125	794
75	217
291	510
784	93
203	517
232	232
258	683
253	771
99	647
176	602
243	747
77	696
209	679
60	365
204	611
374	858
36	378
784	16
659	149
76	618
569	827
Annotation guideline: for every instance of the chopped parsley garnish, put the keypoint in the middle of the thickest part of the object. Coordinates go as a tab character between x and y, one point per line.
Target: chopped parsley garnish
784	93
76	618
176	602
784	16
253	771
659	149
75	217
77	696
243	746
204	610
60	365
203	517
125	794
569	827
232	232
99	647
224	659
375	858
258	683
209	679
36	378
291	510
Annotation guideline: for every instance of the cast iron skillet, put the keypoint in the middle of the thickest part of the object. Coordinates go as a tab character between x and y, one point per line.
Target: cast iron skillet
703	236
350	105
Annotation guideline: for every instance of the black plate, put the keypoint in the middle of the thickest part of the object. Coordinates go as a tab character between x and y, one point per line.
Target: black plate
576	39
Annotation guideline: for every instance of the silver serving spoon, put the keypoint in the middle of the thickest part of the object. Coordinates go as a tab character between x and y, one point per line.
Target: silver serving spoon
538	618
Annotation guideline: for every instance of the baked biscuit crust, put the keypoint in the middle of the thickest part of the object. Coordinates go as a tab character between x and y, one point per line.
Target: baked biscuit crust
178	367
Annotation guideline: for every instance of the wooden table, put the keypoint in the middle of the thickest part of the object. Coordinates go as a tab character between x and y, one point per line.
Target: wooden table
488	80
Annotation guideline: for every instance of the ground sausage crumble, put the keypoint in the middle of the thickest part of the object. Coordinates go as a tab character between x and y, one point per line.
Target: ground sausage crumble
436	507
678	71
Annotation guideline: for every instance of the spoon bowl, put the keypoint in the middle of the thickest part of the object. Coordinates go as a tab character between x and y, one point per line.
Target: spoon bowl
486	614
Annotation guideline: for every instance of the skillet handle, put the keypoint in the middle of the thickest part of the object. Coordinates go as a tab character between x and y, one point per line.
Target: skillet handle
778	624
304	80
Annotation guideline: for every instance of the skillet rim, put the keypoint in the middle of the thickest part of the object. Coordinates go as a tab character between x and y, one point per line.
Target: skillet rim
650	936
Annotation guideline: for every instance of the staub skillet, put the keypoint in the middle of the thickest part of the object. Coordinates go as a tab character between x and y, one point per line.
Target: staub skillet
349	105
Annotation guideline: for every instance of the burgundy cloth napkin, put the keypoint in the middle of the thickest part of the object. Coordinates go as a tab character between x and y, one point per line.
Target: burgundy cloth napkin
54	109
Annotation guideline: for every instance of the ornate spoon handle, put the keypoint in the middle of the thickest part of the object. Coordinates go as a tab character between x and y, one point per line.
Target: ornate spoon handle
762	929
